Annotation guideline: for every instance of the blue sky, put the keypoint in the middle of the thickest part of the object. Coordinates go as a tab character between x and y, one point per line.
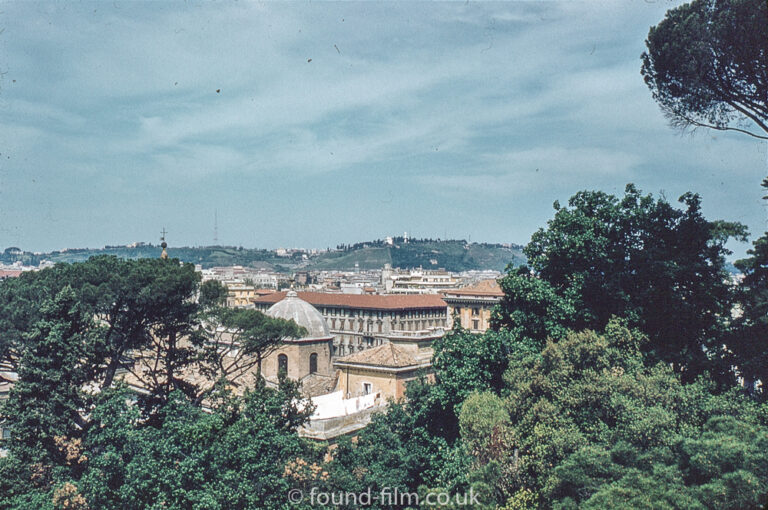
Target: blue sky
312	124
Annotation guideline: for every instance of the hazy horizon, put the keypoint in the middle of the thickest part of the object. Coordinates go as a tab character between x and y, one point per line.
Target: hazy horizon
317	124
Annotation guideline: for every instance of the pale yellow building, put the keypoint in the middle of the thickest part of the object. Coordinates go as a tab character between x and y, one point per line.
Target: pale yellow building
240	294
472	305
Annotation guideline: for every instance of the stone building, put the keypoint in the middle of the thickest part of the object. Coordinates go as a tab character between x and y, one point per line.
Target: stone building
385	370
360	322
306	359
473	305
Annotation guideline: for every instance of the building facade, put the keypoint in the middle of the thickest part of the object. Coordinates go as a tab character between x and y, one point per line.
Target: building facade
472	306
300	357
359	322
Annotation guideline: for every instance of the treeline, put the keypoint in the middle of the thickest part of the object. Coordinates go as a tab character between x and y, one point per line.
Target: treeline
452	255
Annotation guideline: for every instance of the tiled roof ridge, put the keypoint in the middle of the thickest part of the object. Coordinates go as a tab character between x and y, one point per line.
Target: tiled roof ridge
394	356
375	301
489	287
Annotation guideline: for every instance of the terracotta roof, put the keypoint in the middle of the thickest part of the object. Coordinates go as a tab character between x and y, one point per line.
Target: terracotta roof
385	355
482	288
375	302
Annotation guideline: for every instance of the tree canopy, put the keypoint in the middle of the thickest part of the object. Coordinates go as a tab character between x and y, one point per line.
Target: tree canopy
638	257
707	65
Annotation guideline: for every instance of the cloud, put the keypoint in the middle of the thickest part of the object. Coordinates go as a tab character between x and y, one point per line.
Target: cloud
463	101
526	171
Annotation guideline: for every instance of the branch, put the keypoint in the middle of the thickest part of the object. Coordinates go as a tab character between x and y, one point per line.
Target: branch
749	114
718	128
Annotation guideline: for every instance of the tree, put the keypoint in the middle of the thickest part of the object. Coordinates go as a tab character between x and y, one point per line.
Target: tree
465	362
532	309
234	341
637	257
399	450
212	294
596	427
129	300
234	456
749	329
707	65
45	407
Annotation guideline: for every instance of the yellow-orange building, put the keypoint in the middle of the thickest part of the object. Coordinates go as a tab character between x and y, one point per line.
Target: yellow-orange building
472	305
240	294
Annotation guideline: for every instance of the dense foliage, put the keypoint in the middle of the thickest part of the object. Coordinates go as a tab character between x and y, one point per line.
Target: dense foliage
626	368
637	257
707	65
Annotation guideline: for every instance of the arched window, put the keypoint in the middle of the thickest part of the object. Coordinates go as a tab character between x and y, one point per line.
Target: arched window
313	363
282	363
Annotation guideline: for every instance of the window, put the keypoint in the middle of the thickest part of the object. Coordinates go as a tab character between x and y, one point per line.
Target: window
475	324
367	388
475	311
313	363
282	363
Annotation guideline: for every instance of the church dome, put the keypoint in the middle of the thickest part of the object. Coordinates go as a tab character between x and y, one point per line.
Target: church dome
292	307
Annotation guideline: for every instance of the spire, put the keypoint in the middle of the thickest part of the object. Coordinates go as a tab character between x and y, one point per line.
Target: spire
163	244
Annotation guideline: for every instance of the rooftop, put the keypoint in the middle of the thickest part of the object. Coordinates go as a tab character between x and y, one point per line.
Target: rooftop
386	355
374	302
484	288
292	307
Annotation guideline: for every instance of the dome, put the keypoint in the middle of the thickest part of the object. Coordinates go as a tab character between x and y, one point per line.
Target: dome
292	307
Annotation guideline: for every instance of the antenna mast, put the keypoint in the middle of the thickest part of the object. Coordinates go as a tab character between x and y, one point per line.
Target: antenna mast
216	227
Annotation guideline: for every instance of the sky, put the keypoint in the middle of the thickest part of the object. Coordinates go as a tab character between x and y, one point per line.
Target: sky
311	124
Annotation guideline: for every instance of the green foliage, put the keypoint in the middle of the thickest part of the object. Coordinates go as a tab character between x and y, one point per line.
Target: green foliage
232	457
482	419
394	451
749	328
532	309
707	63
131	302
212	293
235	340
597	427
660	267
465	362
523	499
45	404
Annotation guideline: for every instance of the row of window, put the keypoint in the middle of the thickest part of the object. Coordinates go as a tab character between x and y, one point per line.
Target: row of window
349	312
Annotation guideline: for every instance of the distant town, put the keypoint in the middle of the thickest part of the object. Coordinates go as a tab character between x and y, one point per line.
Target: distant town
454	255
369	330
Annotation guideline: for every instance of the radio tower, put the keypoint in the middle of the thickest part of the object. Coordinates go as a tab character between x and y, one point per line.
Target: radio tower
216	227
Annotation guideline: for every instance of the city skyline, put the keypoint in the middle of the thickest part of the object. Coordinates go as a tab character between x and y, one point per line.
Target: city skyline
311	125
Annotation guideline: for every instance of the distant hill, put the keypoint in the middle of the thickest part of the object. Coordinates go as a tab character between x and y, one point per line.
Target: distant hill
453	255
